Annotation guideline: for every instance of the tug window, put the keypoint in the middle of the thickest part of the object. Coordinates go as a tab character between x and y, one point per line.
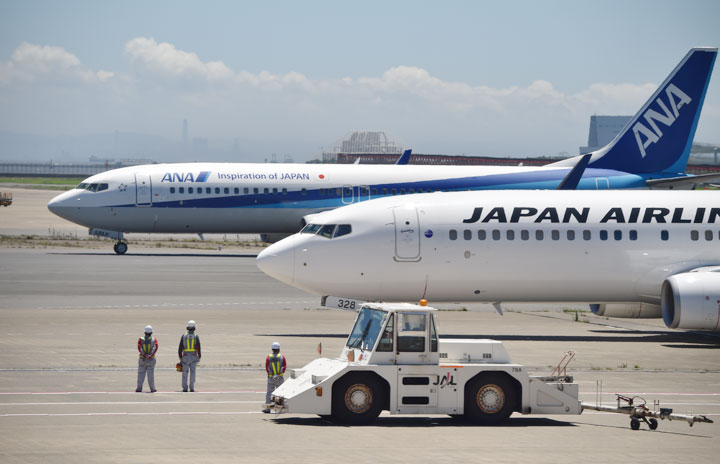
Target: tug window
386	340
411	332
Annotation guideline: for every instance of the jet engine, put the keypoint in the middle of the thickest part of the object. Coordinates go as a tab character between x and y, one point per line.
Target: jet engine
691	300
627	310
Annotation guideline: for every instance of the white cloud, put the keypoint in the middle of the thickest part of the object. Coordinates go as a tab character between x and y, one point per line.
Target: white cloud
167	61
32	63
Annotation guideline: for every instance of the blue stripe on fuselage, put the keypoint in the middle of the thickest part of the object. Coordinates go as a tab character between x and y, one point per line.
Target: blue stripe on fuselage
328	197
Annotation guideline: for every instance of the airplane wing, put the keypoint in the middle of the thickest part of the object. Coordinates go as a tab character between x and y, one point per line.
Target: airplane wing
672	182
571	181
404	158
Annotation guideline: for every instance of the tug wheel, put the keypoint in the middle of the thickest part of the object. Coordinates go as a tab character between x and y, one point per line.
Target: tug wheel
653	424
357	399
489	399
634	424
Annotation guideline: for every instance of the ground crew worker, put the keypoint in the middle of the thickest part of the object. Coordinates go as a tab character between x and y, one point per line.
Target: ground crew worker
275	367
147	346
189	354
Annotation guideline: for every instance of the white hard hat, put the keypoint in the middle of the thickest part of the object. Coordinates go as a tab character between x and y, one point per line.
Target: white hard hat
148	329
191	324
275	346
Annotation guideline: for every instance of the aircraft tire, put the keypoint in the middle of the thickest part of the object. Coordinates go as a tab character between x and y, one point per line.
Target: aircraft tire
120	248
489	399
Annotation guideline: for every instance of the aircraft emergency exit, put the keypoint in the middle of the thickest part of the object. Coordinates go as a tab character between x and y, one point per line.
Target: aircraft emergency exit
279	199
629	253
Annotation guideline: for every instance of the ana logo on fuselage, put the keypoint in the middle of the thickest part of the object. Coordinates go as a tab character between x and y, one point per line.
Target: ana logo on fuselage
185	177
676	98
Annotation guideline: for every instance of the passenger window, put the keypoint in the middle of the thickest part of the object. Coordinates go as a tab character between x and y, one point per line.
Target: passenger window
467	234
694	235
633	235
284	191
411	191
618	234
322	192
402	191
342	229
208	190
664	235
327	230
217	189
496	235
266	191
199	190
226	190
172	189
453	234
555	234
374	192
420	190
510	235
393	191
524	235
571	235
303	191
603	235
481	235
275	191
181	189
411	332
256	190
384	191
386	339
587	235
708	235
190	190
237	191
338	191
539	235
363	191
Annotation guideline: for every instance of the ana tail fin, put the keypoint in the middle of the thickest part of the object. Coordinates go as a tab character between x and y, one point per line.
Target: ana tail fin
659	137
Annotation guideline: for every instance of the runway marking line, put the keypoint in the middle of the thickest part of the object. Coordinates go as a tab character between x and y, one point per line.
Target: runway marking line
171	413
226	392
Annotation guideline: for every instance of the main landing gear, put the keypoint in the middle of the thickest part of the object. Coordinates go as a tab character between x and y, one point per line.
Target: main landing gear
120	248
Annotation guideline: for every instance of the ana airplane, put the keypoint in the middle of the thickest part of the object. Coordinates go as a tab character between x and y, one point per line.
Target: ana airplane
278	199
630	253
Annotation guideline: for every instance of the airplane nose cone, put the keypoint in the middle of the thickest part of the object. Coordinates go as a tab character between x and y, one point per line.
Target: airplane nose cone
278	260
59	205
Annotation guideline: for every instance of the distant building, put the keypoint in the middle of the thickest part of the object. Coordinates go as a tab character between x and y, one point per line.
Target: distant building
602	130
358	143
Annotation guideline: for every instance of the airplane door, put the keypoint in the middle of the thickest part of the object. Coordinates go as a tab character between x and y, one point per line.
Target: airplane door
601	183
407	234
143	190
348	194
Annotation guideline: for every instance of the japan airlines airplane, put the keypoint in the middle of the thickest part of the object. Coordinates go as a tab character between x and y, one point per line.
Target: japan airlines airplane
630	253
279	199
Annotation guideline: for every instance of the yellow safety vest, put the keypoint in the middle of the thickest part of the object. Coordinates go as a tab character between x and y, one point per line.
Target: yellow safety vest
147	345
275	364
189	343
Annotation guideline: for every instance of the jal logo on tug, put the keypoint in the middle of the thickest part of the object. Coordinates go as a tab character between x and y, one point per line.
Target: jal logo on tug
645	135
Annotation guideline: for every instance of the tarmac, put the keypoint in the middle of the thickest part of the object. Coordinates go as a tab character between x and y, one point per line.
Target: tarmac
70	319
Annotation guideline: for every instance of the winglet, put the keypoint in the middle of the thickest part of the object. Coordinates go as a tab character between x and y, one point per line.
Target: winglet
404	158
571	181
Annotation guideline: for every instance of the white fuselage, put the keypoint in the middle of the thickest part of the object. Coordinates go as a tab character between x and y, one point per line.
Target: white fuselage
274	198
534	246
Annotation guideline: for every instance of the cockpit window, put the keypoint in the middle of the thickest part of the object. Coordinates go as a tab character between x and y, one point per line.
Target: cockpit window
310	229
94	187
327	230
342	229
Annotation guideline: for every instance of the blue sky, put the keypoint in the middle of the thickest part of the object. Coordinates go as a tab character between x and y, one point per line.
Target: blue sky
509	78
